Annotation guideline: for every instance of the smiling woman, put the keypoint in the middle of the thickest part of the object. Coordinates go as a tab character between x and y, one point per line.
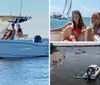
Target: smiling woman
80	21
94	32
75	28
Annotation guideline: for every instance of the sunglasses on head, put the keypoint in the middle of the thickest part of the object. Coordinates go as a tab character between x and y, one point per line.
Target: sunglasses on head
76	11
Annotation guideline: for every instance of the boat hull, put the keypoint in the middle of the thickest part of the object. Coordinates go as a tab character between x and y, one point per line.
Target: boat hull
22	48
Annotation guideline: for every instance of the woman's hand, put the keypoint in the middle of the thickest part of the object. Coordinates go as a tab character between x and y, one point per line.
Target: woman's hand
61	28
83	30
69	23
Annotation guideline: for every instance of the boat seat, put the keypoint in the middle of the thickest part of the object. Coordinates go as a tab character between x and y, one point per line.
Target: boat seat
61	35
56	36
24	36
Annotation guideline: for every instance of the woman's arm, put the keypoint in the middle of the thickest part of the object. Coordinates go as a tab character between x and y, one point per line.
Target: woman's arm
61	28
21	31
7	34
84	28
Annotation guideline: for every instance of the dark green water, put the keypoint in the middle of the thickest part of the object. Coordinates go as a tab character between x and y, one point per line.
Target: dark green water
74	64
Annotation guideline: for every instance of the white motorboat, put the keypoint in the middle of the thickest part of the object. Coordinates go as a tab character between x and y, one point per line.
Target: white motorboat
21	46
92	72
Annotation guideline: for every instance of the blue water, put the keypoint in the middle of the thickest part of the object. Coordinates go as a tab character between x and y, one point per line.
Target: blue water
55	23
24	71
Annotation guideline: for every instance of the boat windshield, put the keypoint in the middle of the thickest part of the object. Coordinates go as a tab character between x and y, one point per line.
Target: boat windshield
6	21
3	25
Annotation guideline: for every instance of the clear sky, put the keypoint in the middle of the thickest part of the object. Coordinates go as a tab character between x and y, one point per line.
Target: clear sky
86	7
38	9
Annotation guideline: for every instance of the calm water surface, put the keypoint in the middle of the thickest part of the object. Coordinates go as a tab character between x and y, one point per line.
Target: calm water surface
24	71
55	23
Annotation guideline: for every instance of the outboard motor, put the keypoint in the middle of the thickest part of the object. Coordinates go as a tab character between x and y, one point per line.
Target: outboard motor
88	75
89	72
37	39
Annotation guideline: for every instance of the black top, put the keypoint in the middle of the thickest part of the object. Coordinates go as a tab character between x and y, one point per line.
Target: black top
19	30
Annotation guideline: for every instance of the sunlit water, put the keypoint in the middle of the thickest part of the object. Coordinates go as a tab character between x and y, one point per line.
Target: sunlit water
63	74
24	71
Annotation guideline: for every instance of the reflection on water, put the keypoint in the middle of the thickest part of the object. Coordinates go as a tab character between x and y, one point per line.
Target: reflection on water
24	71
74	64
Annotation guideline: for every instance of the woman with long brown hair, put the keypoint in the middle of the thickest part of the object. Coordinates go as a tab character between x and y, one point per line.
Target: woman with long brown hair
76	27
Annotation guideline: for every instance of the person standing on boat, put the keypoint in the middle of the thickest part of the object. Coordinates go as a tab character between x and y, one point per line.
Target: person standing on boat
76	27
19	31
10	34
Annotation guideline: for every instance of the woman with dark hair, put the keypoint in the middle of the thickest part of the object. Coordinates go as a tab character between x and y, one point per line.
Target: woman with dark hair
76	27
10	34
78	24
19	31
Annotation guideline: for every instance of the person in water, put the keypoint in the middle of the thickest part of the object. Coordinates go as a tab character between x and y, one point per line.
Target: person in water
19	31
10	34
95	29
76	27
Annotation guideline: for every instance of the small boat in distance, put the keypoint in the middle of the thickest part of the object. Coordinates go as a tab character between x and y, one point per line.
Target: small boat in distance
65	14
56	16
21	46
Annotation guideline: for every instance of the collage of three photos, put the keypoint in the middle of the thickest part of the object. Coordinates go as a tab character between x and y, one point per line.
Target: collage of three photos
49	42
